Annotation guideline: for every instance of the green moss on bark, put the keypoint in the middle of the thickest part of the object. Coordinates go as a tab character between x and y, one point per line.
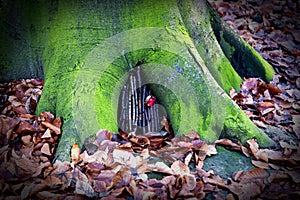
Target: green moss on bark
84	49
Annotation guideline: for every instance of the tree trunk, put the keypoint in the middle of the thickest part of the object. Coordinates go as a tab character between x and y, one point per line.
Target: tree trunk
84	50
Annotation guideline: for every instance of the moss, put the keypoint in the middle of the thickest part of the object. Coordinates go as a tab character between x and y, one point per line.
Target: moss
196	18
238	126
245	60
226	162
75	41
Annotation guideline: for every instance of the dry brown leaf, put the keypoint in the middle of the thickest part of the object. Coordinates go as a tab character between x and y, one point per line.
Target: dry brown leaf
256	173
236	175
162	168
27	165
259	124
124	158
260	164
188	158
31	103
52	127
180	168
40	168
84	188
277	175
190	181
275	156
265	107
261	154
209	149
245	151
47	116
26	127
267	95
253	146
75	153
103	135
57	122
104	180
228	144
140	141
273	166
294	175
7	124
291	145
273	90
26	139
249	190
47	134
100	156
46	149
194	135
249	84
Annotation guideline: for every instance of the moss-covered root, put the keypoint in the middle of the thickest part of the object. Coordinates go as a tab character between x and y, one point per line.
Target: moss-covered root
246	61
239	127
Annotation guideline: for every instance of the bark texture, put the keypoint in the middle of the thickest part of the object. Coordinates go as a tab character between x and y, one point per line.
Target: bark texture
84	50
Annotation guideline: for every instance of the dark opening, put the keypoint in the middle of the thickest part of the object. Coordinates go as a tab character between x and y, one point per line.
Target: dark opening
139	111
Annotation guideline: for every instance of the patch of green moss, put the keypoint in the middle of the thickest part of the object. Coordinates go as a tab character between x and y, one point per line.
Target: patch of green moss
197	20
56	37
226	162
245	60
238	126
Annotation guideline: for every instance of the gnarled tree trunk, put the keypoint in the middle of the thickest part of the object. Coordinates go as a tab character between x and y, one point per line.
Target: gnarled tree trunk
85	50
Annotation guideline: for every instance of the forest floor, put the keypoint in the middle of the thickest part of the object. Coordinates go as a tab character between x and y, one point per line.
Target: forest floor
154	166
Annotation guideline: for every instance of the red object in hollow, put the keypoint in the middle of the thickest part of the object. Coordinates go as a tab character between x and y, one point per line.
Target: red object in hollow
150	100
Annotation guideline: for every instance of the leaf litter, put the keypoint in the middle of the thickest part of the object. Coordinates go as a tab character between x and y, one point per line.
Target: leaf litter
125	166
155	166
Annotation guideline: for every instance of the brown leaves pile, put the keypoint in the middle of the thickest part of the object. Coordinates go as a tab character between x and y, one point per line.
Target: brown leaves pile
27	141
271	28
265	104
140	167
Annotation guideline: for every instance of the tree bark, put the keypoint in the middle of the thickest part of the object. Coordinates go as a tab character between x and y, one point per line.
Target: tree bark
85	50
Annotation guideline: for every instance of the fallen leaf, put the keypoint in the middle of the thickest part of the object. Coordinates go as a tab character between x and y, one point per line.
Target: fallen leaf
103	135
47	116
188	158
228	144
47	134
162	168
236	175
75	153
256	173
46	149
52	127
260	164
259	124
249	84
7	124
27	165
180	168
26	139
253	146
125	158
84	188
209	149
290	145
26	128
294	175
